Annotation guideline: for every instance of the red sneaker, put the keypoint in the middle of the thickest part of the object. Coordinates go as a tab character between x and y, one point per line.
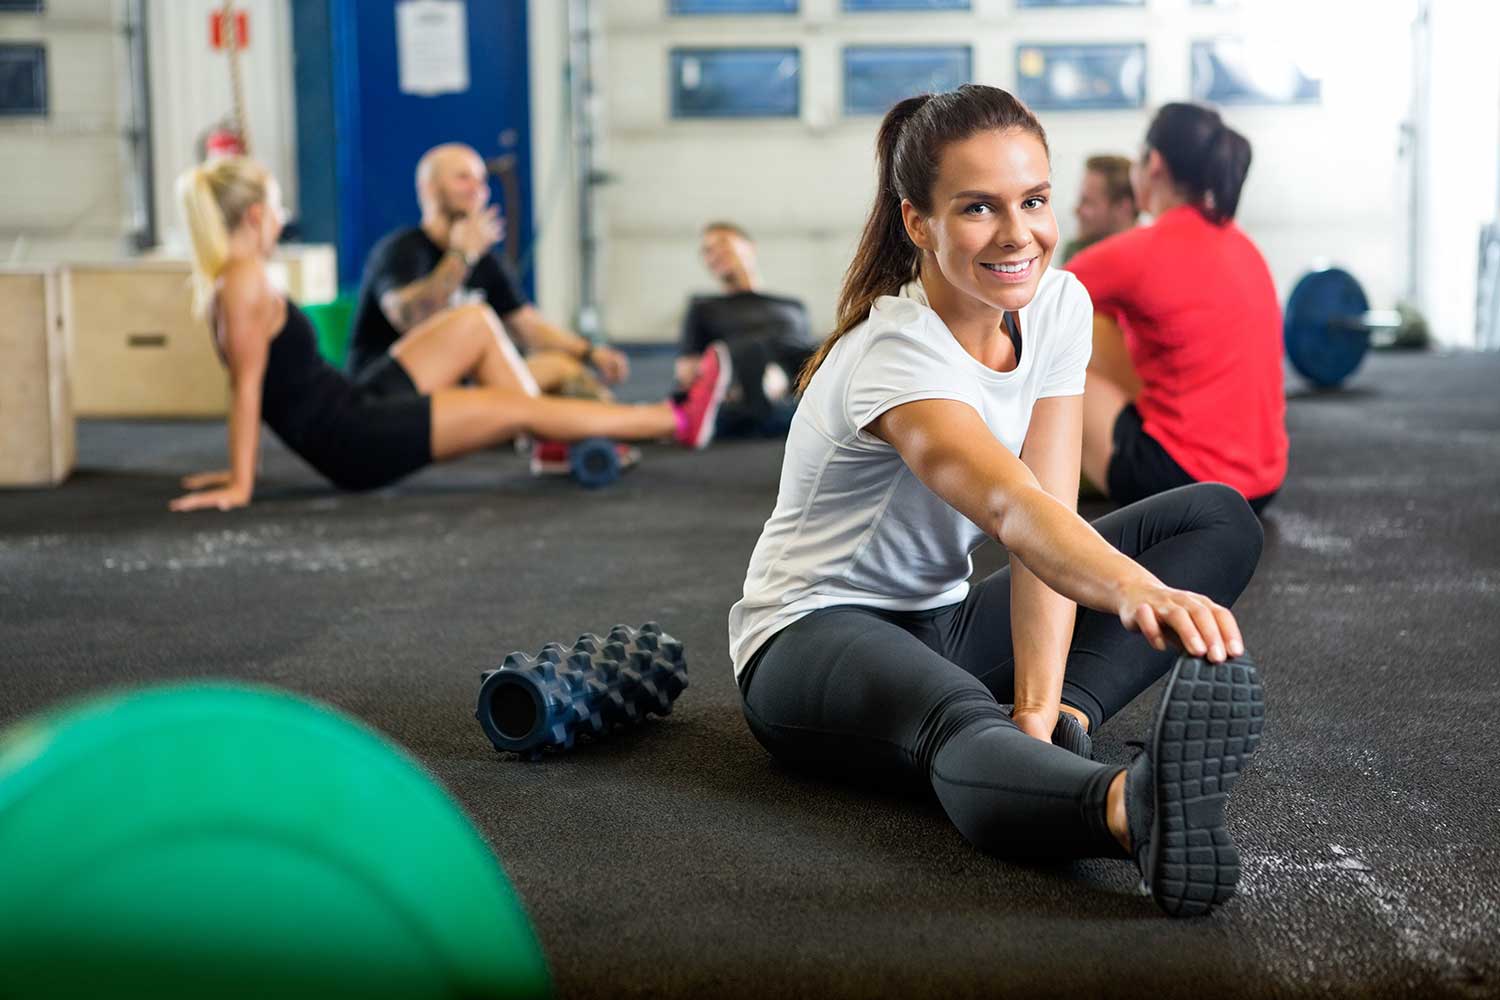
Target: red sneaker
550	458
697	413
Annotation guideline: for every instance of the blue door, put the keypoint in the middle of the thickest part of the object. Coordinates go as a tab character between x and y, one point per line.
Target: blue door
381	132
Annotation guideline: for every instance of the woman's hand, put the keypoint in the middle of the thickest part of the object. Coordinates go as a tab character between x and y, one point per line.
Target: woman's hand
207	480
611	365
221	498
1181	618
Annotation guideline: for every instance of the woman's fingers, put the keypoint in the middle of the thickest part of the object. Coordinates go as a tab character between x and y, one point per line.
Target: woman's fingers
1147	625
1234	641
205	480
1180	620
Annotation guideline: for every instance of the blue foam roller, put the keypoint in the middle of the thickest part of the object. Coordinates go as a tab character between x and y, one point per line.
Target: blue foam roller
594	462
543	702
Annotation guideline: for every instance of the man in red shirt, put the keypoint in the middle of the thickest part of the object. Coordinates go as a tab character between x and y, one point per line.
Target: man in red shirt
1201	323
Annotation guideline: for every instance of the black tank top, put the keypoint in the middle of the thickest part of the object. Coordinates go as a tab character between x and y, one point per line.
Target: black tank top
302	396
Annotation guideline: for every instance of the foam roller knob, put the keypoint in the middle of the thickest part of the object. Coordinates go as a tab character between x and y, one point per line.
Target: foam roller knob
531	704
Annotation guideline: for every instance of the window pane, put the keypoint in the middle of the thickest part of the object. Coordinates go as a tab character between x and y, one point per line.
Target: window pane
734	6
23	79
1080	3
1082	76
1228	71
858	6
877	76
735	83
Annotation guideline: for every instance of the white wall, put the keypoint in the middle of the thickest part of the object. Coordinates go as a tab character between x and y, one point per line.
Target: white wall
66	189
1461	146
1325	181
190	91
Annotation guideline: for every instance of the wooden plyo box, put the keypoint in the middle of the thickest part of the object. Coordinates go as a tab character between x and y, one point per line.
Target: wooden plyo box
37	430
135	347
137	350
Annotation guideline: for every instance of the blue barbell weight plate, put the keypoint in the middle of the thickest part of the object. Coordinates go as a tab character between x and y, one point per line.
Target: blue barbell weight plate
1326	338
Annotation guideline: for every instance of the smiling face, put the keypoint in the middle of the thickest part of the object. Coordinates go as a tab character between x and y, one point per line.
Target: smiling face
726	253
992	230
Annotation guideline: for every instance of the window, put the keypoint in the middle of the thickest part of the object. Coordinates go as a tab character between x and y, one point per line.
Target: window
1063	77
1228	71
680	7
877	76
22	6
735	83
1080	3
861	6
23	79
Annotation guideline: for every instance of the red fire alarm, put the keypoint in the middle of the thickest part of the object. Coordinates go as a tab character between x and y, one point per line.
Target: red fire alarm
216	34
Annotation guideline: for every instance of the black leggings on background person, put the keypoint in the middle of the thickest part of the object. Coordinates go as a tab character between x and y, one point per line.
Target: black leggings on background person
850	690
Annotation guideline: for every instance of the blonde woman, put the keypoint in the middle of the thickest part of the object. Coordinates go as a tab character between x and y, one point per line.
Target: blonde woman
405	411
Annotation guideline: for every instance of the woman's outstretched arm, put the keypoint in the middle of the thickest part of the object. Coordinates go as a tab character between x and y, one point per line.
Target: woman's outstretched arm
949	447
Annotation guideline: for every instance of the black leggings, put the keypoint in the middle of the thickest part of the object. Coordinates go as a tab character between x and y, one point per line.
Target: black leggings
854	689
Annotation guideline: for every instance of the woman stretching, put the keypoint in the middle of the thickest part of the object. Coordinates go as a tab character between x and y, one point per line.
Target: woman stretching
1185	382
946	407
404	412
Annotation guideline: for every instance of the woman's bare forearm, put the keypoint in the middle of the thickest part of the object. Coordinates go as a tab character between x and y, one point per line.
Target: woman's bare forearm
1041	632
1064	550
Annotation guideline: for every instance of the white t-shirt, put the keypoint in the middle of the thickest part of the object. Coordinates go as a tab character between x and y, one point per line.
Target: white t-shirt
853	524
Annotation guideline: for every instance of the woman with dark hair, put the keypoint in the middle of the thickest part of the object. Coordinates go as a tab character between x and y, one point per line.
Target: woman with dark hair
946	408
1196	393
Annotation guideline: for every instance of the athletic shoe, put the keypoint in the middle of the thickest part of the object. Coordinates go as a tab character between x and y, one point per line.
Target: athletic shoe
697	413
1207	726
1070	735
550	458
553	458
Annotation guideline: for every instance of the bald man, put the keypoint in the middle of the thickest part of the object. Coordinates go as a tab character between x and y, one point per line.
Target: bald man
418	275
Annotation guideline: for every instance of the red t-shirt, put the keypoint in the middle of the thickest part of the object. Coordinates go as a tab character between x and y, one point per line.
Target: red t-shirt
1201	322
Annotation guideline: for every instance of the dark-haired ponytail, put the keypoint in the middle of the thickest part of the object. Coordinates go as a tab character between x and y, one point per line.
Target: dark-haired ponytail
908	148
1207	159
1228	165
886	258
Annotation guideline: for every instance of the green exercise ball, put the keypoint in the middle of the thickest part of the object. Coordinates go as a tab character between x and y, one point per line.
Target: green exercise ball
218	841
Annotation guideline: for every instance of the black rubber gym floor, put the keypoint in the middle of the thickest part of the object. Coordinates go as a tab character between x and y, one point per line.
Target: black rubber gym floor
677	860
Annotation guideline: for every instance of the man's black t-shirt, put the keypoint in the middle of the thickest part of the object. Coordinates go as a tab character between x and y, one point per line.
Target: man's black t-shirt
742	316
405	256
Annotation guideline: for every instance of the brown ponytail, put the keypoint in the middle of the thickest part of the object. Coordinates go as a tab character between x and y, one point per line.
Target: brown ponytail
908	150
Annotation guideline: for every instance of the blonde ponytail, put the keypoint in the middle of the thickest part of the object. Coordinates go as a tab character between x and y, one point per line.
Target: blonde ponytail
214	197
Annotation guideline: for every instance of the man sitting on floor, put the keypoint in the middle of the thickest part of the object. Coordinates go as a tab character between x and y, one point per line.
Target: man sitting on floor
767	337
419	274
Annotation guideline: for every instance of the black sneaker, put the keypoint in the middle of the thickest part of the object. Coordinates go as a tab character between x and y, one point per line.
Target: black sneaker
1206	728
1068	734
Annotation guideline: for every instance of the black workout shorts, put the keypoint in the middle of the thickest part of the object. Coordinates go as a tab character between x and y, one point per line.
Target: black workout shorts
385	433
1139	467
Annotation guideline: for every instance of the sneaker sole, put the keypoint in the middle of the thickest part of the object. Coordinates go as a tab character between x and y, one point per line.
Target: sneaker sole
1208	725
